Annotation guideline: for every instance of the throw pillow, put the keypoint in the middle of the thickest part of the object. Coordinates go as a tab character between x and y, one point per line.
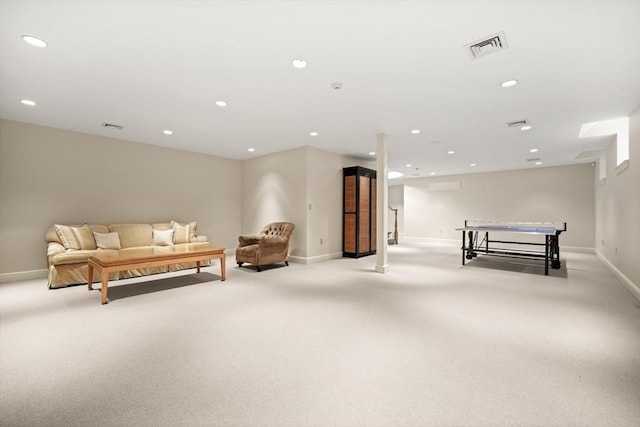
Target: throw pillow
107	240
183	233
75	237
162	237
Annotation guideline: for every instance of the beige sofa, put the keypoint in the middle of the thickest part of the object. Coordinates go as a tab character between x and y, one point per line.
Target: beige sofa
69	248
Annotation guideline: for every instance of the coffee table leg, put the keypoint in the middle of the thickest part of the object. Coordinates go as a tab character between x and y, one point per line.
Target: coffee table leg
197	266
223	268
90	276
105	286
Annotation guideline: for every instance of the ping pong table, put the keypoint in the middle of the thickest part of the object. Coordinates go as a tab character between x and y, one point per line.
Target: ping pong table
550	230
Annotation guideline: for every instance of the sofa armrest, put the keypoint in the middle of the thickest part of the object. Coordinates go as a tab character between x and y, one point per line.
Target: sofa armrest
54	248
273	240
199	239
248	239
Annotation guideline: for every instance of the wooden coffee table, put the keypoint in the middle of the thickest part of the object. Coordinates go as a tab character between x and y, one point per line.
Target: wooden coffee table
108	261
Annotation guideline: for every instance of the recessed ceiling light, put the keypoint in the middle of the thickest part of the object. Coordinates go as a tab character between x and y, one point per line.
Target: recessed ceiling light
34	41
221	103
394	175
408	165
451	152
415	131
433	173
28	102
538	163
525	127
251	150
313	133
372	153
167	132
473	165
533	150
299	63
509	83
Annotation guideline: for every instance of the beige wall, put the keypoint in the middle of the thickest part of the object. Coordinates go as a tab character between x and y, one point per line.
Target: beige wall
563	193
324	203
396	201
618	209
304	186
52	176
274	188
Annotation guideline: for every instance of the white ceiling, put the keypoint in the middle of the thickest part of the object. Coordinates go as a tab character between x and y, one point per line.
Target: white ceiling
151	65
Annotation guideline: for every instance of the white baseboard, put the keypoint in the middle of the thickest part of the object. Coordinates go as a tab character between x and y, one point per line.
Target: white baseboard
23	275
314	259
578	249
632	287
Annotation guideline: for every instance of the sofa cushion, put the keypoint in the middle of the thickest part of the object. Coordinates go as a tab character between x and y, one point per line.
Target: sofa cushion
75	237
107	240
162	238
133	235
162	226
183	233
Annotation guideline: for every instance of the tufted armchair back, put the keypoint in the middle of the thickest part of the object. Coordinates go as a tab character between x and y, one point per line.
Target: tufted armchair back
278	229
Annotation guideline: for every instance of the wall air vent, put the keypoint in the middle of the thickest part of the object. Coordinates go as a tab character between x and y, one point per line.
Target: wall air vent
517	124
488	45
111	126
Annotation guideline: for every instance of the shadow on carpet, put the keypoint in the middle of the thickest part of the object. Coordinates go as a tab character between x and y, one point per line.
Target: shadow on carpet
516	265
159	285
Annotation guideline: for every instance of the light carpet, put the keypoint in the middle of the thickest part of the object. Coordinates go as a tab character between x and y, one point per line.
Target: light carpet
430	343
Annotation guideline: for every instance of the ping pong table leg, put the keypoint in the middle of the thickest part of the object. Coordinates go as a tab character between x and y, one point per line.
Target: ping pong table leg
486	241
463	246
546	254
471	253
555	251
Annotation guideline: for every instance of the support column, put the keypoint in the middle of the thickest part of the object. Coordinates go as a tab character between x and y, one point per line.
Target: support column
382	203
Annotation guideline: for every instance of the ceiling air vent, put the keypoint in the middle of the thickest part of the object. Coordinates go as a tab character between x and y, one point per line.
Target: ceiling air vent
488	45
536	159
111	126
517	124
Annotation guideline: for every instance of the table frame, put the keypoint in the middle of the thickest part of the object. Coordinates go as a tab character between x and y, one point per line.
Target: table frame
551	254
110	261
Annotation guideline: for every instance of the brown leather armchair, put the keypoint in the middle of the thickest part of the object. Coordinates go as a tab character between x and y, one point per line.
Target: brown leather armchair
268	247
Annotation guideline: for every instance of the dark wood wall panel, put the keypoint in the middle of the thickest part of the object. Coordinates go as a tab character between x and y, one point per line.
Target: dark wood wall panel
350	232
364	215
350	194
373	213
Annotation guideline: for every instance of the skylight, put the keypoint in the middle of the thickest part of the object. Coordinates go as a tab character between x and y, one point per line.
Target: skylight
618	127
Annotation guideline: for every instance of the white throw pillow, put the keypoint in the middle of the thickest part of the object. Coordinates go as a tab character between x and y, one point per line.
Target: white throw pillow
162	238
107	240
